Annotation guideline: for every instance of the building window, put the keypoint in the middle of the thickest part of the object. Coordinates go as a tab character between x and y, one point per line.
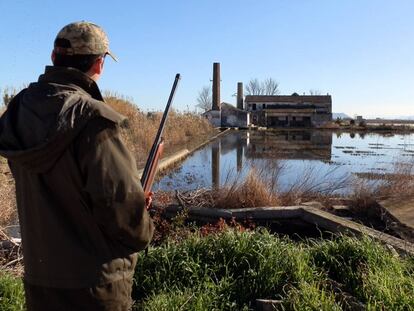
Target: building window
253	106
264	106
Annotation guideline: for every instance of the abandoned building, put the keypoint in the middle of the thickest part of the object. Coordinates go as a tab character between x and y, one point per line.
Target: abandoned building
268	111
289	111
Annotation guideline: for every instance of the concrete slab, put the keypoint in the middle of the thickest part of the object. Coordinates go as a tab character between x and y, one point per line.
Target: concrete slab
401	208
311	215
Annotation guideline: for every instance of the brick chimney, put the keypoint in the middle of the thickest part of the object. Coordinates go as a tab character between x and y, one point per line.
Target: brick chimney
216	86
240	103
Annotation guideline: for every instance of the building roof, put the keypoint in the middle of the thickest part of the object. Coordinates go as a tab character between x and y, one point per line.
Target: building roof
289	98
227	106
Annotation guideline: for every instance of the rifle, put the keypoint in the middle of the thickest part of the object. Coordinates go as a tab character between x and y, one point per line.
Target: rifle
151	166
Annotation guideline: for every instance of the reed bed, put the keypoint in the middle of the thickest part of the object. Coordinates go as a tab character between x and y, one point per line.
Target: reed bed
261	186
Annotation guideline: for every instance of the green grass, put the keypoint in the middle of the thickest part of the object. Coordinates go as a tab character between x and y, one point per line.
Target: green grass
369	271
231	269
11	293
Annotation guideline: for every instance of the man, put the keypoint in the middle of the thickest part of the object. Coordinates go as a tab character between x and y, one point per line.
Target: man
81	207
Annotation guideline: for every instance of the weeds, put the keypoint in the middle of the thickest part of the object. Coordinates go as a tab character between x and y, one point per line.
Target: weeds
230	270
11	293
370	272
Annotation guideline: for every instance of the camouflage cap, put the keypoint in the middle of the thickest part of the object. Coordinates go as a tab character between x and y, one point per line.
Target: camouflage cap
82	38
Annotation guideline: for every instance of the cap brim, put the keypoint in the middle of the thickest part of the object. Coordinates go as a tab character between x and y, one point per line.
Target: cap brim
112	55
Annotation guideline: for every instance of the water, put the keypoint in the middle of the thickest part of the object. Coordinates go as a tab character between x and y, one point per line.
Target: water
323	158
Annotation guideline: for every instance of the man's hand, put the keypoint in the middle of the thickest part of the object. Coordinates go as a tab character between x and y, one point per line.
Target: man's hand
148	200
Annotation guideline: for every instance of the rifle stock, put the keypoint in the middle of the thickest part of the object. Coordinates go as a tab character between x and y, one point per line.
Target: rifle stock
154	156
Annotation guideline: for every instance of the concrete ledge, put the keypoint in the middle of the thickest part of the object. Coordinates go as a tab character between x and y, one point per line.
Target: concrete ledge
210	140
167	162
334	223
316	217
263	213
402	209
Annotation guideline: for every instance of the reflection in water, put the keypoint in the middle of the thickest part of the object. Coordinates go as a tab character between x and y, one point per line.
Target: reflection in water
215	164
301	145
239	158
297	152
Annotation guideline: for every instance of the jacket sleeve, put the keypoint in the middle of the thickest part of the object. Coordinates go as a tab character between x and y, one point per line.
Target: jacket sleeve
112	183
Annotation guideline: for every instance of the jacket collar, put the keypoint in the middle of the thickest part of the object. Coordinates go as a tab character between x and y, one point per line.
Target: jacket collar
71	76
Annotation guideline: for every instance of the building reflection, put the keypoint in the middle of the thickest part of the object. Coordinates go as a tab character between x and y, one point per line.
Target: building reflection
299	145
215	164
284	145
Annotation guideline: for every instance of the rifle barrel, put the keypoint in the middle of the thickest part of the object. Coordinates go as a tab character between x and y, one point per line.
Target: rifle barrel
160	131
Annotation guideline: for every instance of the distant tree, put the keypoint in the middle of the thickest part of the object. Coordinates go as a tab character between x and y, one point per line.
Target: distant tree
267	87
294	94
271	87
254	87
204	99
315	92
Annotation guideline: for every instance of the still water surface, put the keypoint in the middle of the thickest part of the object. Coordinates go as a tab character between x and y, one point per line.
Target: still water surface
326	156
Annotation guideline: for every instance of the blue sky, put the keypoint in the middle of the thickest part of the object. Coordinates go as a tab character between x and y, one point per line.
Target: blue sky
359	51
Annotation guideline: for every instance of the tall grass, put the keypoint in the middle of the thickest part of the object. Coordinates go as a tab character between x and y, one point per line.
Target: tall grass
11	293
182	129
262	186
229	271
373	274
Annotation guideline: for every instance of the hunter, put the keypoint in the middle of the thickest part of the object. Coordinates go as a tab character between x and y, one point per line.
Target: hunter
81	207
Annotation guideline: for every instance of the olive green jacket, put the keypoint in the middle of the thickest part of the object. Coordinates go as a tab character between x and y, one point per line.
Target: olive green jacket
80	202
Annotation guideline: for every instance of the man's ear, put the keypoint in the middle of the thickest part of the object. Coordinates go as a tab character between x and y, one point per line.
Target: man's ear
97	66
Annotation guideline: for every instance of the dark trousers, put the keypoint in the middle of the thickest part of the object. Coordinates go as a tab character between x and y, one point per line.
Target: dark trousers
114	296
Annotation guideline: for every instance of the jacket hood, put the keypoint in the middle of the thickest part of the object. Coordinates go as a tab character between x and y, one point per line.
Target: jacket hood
44	119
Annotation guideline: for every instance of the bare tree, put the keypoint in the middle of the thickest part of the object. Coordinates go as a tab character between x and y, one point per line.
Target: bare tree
271	87
314	92
268	87
204	98
254	87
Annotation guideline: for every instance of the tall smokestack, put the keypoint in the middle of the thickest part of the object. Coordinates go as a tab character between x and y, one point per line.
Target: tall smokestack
240	95
216	86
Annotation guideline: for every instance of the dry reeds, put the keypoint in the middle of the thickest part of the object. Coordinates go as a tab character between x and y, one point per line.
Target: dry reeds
183	130
8	212
399	183
261	186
